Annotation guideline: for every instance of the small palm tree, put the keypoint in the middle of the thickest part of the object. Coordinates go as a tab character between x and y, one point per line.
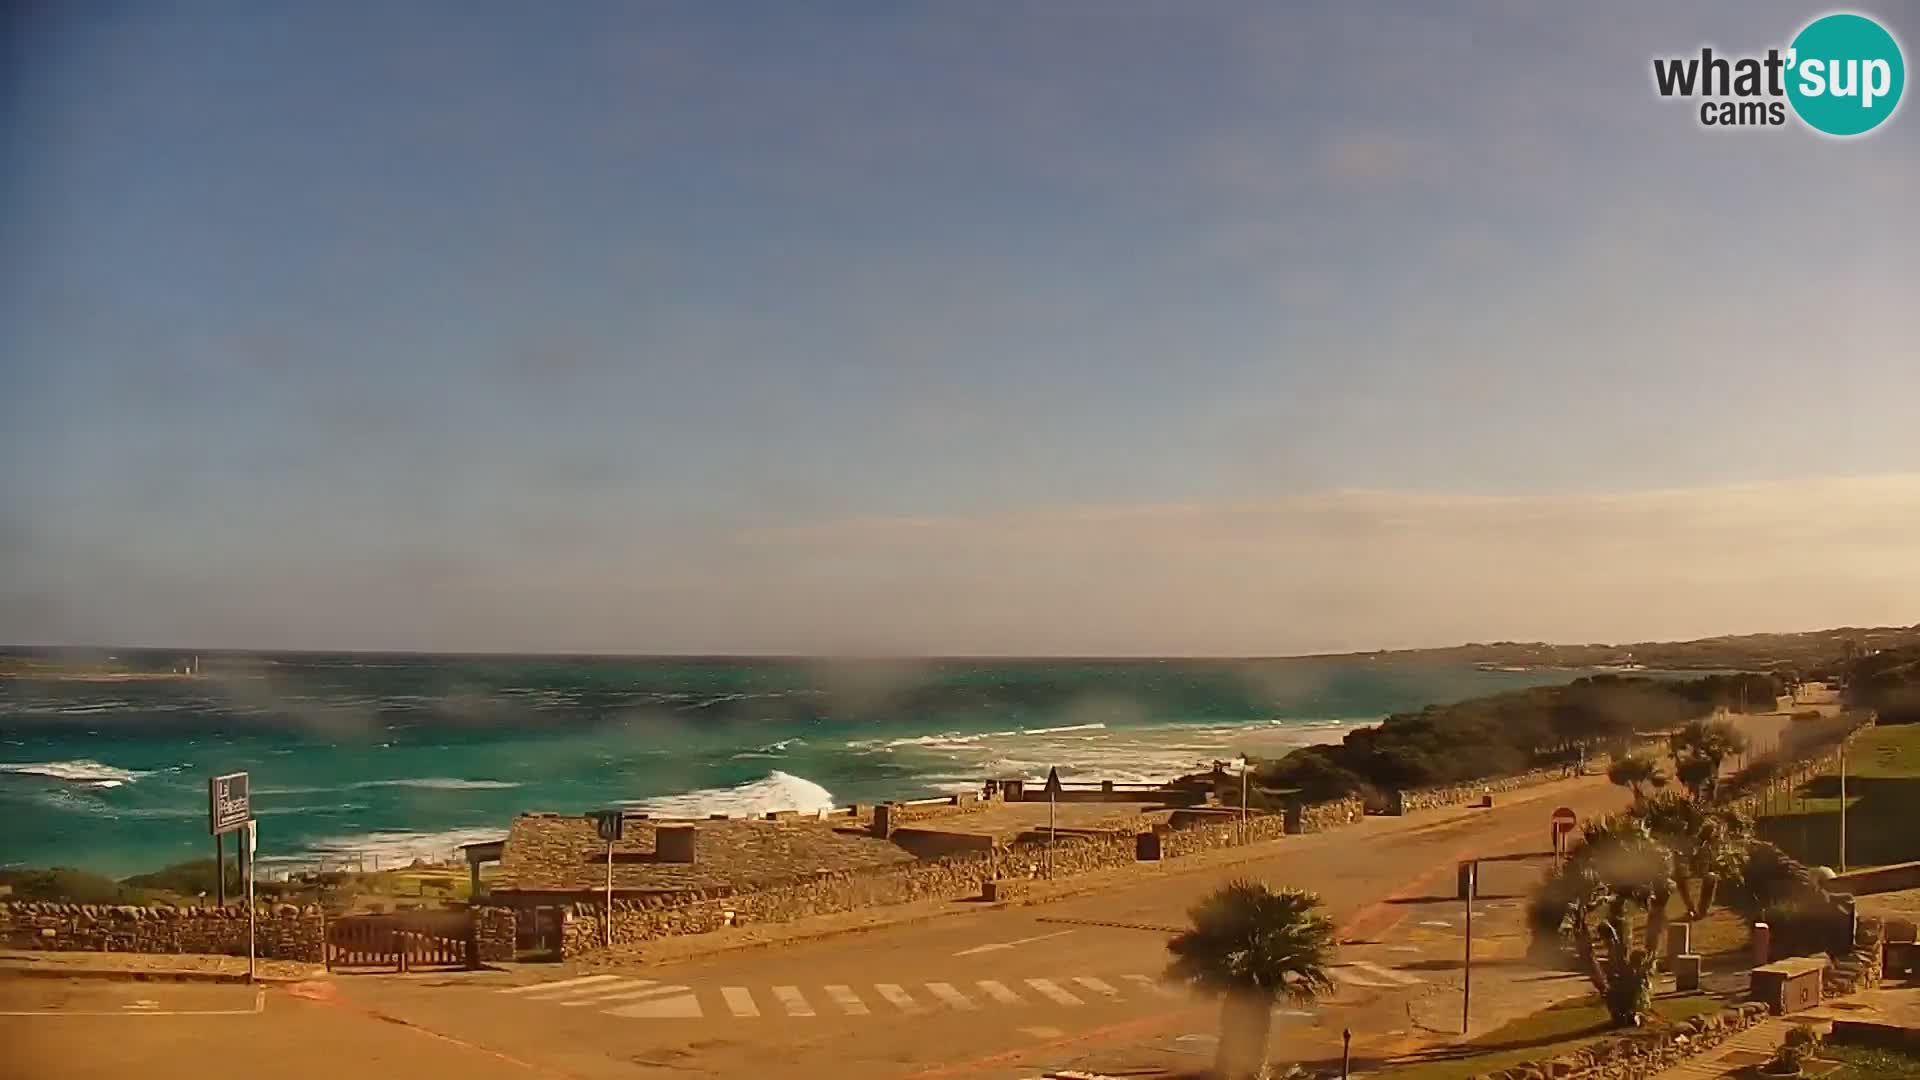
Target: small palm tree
1250	946
1639	774
1589	901
1699	748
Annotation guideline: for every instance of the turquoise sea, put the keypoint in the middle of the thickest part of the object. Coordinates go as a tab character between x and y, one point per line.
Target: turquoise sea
393	757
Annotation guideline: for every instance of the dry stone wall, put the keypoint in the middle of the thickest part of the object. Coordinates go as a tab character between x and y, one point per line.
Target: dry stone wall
1640	1054
282	931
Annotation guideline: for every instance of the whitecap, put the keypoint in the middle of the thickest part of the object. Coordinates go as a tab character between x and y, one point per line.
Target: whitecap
775	791
78	771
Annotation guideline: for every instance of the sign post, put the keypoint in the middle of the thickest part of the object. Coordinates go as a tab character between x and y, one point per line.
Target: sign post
229	808
253	848
610	824
1562	824
1053	792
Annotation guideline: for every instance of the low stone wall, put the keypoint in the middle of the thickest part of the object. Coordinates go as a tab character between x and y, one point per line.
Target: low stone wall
282	931
1641	1053
495	930
1880	879
947	879
1407	802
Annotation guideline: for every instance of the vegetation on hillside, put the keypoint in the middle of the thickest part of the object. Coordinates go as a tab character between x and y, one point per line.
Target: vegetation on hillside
1508	733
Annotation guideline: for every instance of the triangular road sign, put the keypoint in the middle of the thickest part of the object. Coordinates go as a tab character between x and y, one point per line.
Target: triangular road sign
1053	781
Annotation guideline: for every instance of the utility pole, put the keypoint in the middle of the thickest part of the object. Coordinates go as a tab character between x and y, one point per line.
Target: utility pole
1466	990
1243	798
1843	806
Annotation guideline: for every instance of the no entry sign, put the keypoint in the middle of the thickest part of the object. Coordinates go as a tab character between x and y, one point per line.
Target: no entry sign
1562	823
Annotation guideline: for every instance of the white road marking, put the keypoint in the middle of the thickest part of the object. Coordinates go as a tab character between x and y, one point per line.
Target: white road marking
1150	983
541	988
790	997
1346	975
259	1006
898	997
1000	945
1436	922
999	992
848	1001
684	1007
621	988
634	995
945	992
739	1001
1098	986
1048	989
1400	977
1042	1032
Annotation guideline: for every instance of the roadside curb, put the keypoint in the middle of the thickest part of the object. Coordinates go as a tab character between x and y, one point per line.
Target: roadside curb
27	971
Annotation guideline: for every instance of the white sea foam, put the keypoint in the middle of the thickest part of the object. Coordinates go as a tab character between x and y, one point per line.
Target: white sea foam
775	791
385	849
85	771
439	783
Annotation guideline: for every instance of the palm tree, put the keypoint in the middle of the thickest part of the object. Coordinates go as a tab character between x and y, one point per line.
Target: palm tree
1250	946
1639	774
1700	748
1618	868
1707	844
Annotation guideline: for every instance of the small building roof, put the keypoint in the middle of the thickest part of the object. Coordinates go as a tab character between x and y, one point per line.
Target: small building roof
551	853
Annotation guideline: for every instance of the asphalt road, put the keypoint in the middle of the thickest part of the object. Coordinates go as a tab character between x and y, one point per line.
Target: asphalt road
994	993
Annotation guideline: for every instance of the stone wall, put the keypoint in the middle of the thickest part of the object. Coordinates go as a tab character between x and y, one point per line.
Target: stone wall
1406	802
1880	879
1641	1053
945	879
495	932
282	931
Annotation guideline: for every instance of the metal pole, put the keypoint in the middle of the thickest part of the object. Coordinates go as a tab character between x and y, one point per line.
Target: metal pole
1466	989
1843	806
220	869
1243	798
253	843
1346	1053
1050	806
607	934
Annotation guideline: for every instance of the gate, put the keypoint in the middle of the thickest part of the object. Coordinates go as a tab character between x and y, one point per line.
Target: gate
402	941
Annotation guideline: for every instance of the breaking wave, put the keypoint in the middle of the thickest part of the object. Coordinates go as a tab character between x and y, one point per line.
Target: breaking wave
84	771
775	791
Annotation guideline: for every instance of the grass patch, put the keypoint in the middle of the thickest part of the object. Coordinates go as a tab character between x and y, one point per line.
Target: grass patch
1551	1032
1866	1063
1883	800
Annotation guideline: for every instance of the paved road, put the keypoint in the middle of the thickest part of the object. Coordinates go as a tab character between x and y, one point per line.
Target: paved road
997	994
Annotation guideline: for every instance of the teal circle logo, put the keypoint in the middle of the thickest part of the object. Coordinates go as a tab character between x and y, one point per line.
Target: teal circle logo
1846	74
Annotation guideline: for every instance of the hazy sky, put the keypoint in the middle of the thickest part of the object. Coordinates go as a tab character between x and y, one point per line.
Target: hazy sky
1102	328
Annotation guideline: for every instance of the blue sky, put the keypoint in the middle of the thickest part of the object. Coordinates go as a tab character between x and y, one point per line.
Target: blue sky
1087	327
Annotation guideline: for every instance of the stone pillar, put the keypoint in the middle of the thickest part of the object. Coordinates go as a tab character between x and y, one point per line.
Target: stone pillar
1106	787
1294	820
883	820
1762	944
673	843
1686	972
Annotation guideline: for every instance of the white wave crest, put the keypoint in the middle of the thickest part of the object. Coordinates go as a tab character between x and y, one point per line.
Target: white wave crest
775	791
439	783
955	738
385	849
78	771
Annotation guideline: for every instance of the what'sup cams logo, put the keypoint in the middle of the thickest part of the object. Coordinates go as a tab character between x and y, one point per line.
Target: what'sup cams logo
1841	75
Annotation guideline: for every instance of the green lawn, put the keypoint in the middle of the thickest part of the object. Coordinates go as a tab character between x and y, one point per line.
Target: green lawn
1861	1063
1548	1033
1883	800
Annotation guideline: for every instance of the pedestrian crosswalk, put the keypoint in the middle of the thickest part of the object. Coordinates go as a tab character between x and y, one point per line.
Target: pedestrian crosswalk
636	998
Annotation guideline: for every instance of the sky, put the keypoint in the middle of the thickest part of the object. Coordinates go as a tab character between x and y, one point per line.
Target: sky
989	329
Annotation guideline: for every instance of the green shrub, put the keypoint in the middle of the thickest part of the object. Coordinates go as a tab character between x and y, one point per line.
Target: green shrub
61	884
